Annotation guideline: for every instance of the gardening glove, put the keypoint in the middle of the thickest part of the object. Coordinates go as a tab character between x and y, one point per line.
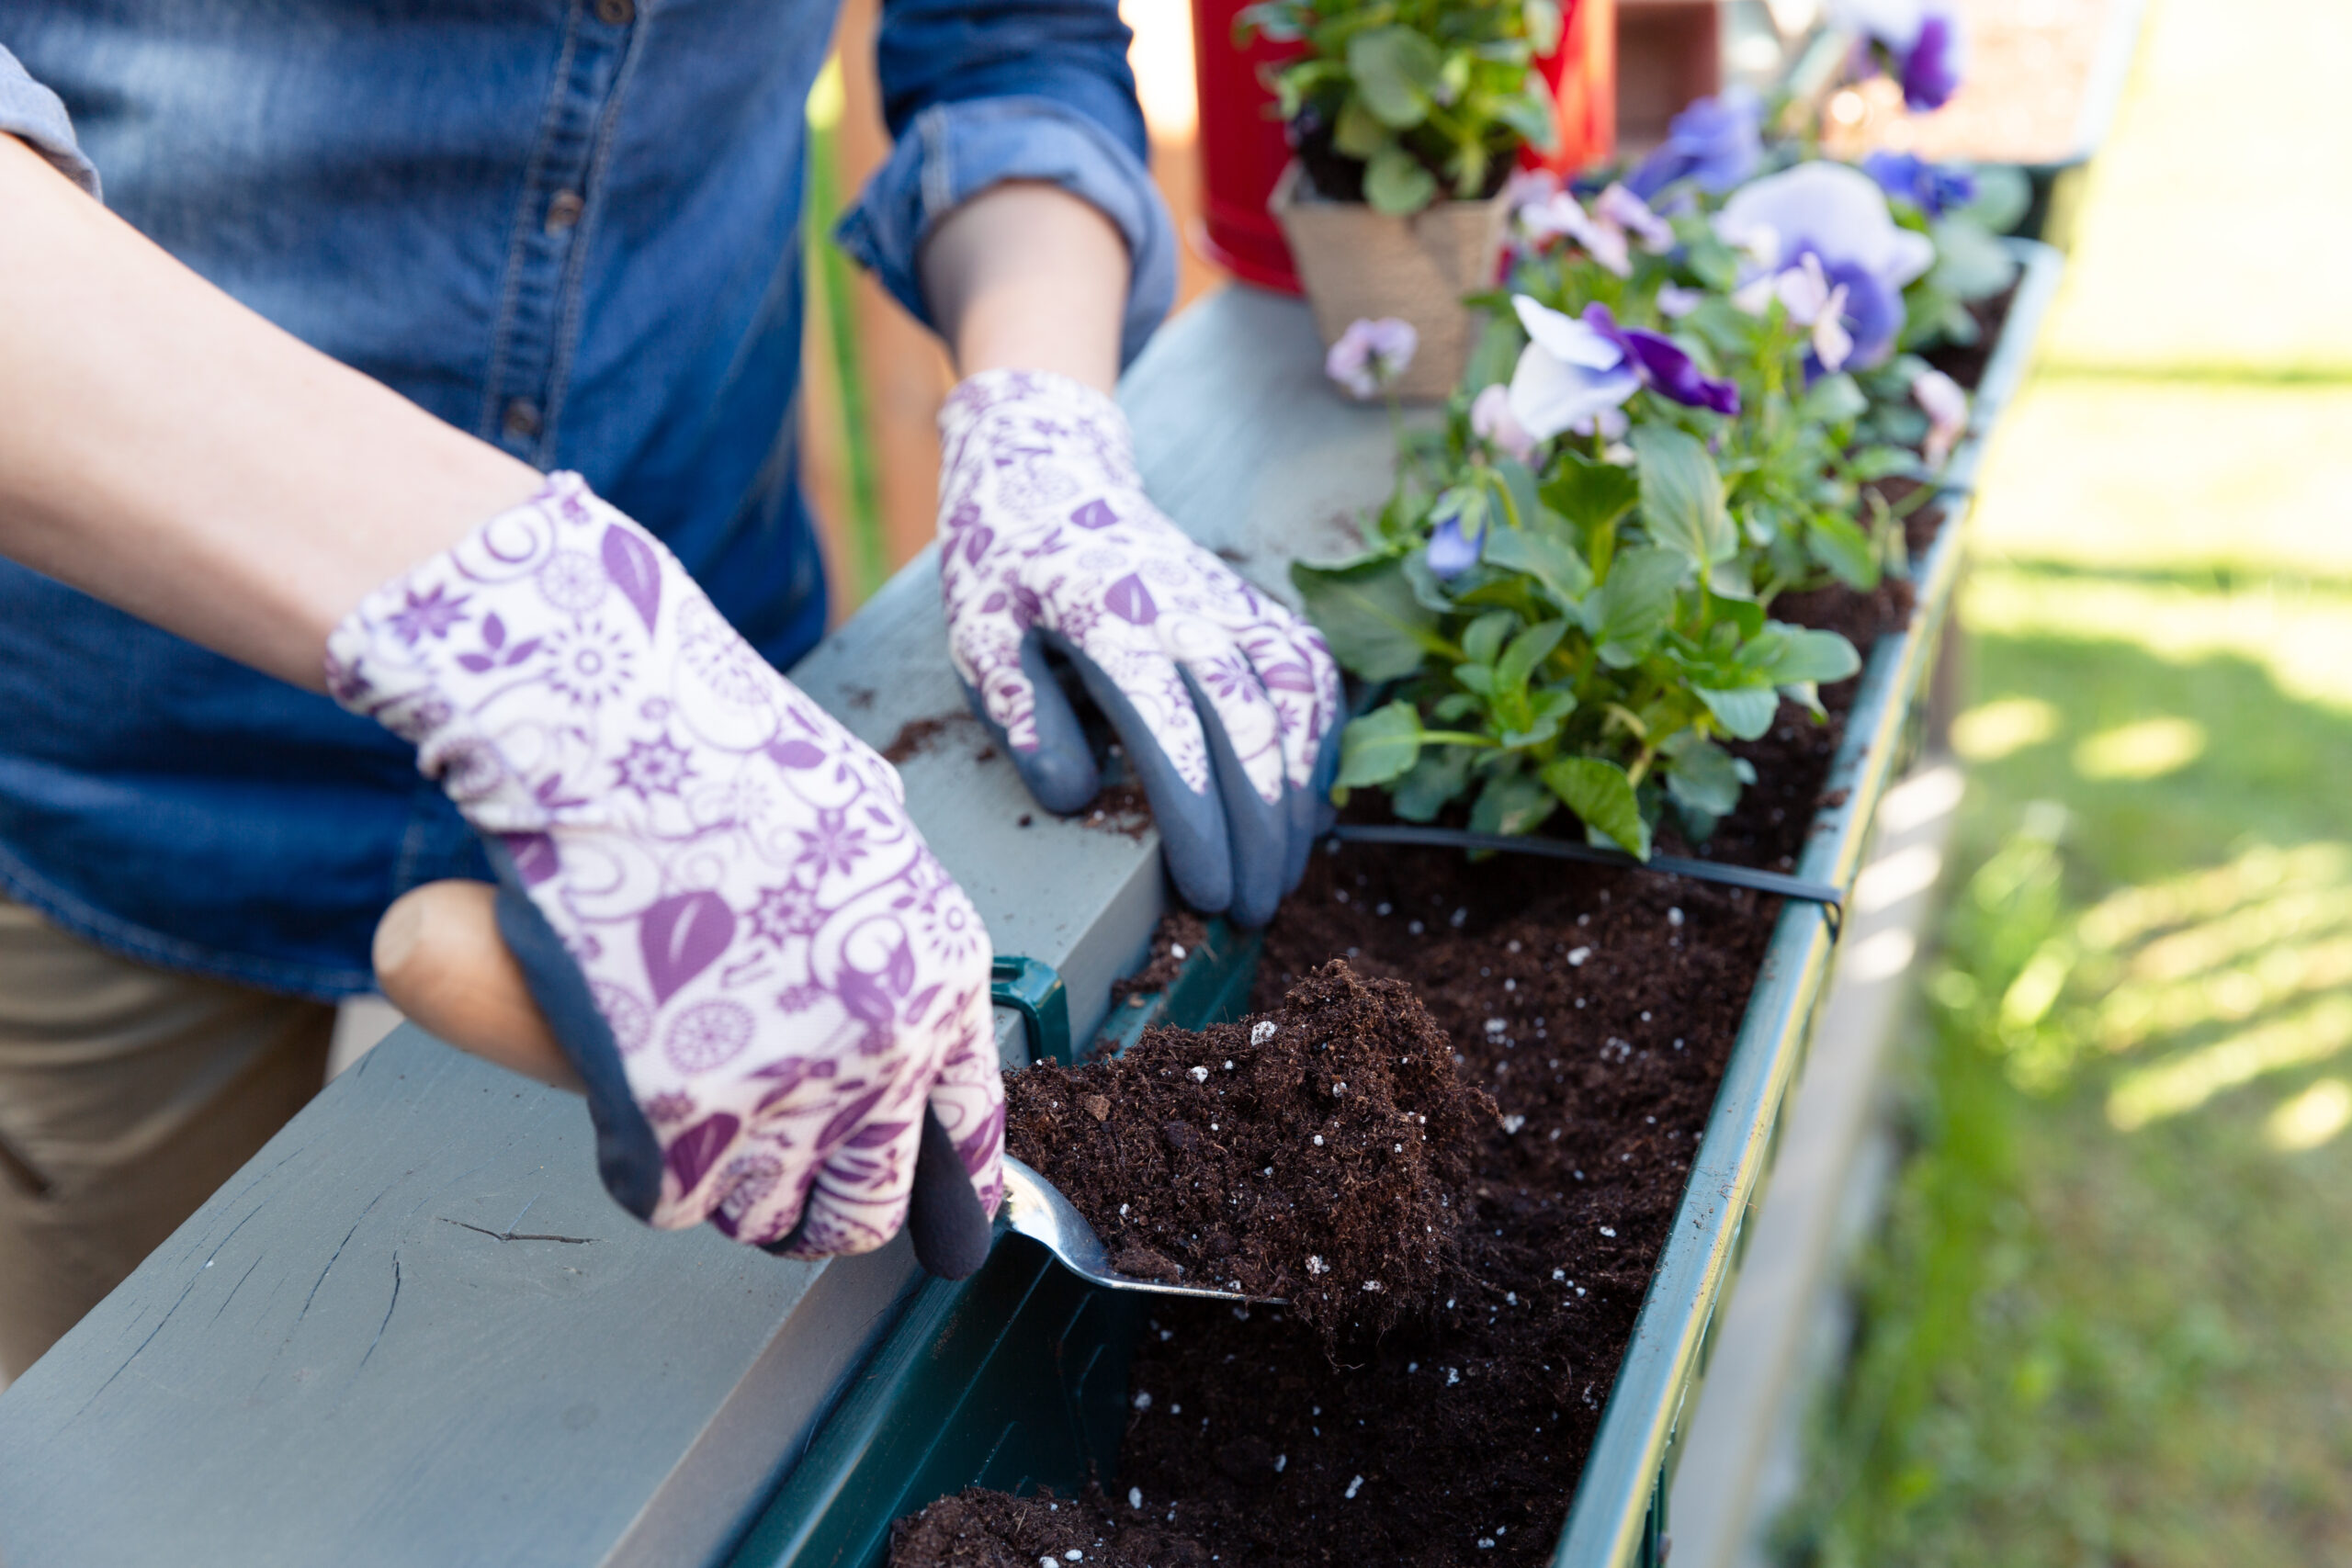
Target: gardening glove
738	938
1226	703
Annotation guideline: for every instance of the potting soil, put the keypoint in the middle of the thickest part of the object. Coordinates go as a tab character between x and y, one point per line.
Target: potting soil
978	1529
1314	1151
1600	1005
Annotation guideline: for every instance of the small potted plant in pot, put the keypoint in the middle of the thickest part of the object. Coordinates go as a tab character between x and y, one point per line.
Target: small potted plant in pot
1408	118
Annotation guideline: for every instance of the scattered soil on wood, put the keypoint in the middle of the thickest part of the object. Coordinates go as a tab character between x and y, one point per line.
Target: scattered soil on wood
1177	936
994	1529
1119	807
919	735
1314	1151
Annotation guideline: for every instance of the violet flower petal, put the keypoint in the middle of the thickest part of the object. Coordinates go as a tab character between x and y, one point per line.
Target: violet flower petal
1451	553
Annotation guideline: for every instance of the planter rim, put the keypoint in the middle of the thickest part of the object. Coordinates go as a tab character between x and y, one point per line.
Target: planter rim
1616	1515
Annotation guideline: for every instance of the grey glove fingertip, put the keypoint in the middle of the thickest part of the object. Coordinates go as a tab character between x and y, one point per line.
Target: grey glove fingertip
944	1220
1191	822
628	1156
1059	770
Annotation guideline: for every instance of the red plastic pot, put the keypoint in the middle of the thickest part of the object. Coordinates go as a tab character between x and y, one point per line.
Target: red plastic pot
1243	149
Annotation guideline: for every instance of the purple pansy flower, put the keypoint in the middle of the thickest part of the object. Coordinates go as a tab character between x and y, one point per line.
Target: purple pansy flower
1838	215
1454	551
1717	142
1567	376
1663	368
1921	38
1934	188
1370	355
1618	218
1812	300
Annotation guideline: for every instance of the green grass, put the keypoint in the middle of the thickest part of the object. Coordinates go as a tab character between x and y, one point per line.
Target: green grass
2109	1319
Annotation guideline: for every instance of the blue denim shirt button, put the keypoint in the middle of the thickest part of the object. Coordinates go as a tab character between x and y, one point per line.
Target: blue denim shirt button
563	211
522	419
616	13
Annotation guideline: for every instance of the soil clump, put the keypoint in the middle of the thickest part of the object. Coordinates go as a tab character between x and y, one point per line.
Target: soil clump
1314	1151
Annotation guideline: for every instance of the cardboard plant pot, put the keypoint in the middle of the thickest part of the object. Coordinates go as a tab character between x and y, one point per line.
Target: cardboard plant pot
1357	264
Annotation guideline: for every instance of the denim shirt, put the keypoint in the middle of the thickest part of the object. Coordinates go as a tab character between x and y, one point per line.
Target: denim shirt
571	227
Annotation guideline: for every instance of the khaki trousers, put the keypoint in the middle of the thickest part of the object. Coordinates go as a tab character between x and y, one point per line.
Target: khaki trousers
127	1094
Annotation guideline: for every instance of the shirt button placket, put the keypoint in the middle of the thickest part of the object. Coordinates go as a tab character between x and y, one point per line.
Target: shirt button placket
616	13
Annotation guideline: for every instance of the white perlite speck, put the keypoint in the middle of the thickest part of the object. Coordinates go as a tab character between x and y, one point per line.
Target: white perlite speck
1372	1284
1497	1025
1281	1462
1229	1067
1674	916
1609	1232
1513	1124
1261	1031
1073	1555
1316	1265
1354	1486
1576	956
1200	1075
1175	950
1134	1496
1143	1400
1319	1140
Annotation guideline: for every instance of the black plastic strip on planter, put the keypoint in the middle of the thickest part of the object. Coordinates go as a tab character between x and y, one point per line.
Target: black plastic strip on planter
1829	896
1618	1514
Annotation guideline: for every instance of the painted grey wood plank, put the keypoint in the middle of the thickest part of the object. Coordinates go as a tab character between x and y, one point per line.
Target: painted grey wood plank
414	1331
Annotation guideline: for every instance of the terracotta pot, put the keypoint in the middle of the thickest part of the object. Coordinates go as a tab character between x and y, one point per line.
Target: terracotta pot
1357	263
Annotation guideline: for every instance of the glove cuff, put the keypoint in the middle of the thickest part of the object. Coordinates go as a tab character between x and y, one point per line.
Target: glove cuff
1028	437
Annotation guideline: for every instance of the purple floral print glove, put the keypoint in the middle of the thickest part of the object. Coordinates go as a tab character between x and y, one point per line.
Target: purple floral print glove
1226	703
739	937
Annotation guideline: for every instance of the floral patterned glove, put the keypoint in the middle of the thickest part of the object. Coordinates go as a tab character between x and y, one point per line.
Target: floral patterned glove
1227	703
738	935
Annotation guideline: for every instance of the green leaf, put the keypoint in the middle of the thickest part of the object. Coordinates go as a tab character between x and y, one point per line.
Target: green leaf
1839	544
1543	21
2003	193
1633	607
1358	132
1395	183
1484	640
1431	593
1704	777
1477	676
1500	342
1591	494
1381	745
1531	114
1395	69
1603	796
1369	615
1552	561
1682	495
1789	655
1527	650
1443	774
1883	462
1833	399
1970	262
1549	709
1512	804
1745	712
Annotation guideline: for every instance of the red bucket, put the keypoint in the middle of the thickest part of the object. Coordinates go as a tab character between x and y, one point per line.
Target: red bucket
1243	151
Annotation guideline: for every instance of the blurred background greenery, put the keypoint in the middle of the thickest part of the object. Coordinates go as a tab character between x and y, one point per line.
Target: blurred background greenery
2107	1318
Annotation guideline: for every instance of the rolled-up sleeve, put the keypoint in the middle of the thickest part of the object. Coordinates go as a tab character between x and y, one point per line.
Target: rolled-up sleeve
979	94
32	112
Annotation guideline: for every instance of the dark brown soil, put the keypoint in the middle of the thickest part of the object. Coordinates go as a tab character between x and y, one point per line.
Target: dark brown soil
1179	934
995	1529
1119	807
1598	1006
1314	1151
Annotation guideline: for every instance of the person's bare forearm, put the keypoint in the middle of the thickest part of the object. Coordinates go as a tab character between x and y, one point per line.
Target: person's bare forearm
1027	276
167	450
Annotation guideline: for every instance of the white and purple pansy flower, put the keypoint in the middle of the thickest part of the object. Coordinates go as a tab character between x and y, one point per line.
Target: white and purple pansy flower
1567	376
1838	215
1663	368
1940	399
1812	300
1618	218
1370	355
1922	39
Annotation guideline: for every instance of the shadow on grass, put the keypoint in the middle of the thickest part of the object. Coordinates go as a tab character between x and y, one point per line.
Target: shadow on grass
2109	1318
